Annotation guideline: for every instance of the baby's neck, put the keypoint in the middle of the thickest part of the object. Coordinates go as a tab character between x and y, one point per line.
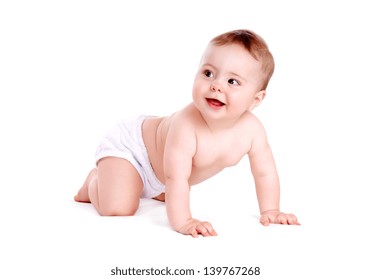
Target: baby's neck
219	125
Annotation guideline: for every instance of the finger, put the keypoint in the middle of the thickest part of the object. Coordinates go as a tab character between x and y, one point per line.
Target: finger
295	221
264	220
202	230
282	219
291	219
213	233
194	233
210	229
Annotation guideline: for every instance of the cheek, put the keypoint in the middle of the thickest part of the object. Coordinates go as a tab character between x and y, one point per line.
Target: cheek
195	91
198	87
240	98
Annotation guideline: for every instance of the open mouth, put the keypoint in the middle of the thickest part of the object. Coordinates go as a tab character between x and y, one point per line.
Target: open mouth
214	103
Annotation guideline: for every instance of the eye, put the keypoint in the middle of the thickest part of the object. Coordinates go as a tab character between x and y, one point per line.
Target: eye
208	74
233	82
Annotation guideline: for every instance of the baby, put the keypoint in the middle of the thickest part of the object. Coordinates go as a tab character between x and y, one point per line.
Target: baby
162	157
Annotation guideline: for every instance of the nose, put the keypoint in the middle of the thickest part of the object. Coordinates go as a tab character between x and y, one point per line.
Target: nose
216	87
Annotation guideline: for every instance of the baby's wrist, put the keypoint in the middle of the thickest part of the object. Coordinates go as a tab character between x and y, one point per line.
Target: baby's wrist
179	225
269	211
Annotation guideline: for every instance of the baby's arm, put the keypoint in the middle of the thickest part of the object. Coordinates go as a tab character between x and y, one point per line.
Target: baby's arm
267	184
180	148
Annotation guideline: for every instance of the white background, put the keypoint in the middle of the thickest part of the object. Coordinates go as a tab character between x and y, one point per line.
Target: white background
69	70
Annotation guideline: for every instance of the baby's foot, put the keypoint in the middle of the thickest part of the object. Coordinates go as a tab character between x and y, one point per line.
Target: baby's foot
82	195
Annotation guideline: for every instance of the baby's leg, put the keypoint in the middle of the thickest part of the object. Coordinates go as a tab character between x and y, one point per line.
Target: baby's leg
116	188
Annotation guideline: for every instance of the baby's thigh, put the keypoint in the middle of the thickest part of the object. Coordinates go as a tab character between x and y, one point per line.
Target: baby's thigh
119	185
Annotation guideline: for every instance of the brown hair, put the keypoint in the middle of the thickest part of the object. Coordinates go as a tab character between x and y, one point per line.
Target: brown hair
254	44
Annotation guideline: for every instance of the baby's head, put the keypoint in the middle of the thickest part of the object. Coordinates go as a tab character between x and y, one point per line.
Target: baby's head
233	74
254	44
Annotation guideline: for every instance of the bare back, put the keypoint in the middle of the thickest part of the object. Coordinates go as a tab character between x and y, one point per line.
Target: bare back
215	150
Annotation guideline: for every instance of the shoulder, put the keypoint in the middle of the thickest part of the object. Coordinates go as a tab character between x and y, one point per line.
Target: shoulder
184	120
181	128
257	132
180	139
253	124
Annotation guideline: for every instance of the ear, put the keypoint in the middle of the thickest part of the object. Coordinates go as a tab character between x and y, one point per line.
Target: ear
259	96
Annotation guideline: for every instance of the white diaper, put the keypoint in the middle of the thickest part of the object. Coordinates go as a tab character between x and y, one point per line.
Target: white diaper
125	141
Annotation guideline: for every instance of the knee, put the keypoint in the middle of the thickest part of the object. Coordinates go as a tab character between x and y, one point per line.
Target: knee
112	210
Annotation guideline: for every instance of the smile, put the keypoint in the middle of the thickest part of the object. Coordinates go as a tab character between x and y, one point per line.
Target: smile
214	103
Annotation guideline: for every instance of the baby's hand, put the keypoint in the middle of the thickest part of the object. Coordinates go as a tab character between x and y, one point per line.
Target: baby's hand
277	217
195	227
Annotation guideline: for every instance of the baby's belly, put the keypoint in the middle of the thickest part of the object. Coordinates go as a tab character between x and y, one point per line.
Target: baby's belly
154	132
155	147
199	175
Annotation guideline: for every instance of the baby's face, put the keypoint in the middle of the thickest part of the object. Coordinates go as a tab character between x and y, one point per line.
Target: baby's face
227	82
